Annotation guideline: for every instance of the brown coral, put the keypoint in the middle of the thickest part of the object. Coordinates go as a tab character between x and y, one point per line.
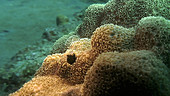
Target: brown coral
152	33
59	64
60	46
124	13
136	73
75	62
110	37
47	86
71	39
92	18
109	74
81	44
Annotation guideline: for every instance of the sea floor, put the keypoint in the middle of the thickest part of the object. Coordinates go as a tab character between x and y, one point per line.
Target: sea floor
22	22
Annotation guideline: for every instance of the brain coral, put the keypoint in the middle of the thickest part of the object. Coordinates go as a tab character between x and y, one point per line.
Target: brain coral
153	33
135	73
124	13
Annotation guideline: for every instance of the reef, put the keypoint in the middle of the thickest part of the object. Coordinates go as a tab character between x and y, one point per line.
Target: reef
126	13
125	54
135	73
153	33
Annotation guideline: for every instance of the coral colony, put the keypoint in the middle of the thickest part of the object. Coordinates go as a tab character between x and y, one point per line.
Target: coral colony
120	49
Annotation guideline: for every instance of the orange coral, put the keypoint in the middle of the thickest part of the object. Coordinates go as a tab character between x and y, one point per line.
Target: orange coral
71	67
75	62
47	86
81	45
59	64
110	37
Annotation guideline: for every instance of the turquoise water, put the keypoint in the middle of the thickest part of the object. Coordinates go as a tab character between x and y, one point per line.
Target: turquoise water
23	22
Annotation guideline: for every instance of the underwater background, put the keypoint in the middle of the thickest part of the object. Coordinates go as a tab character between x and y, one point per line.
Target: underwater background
30	30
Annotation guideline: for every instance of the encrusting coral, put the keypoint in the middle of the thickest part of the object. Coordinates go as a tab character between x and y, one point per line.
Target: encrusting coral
106	38
119	66
124	13
60	46
59	64
153	33
110	37
135	73
47	86
92	18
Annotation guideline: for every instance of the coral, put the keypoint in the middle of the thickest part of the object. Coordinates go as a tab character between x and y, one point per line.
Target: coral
125	71
91	20
74	63
59	64
153	33
60	46
135	73
122	66
47	86
132	53
22	66
110	37
124	13
81	45
71	39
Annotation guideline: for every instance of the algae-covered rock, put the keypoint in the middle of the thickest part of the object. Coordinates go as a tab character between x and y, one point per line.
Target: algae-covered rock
61	19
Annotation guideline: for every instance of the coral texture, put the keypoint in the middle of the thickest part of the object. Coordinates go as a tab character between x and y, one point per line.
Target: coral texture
153	33
59	64
122	64
81	54
124	13
110	37
135	73
128	54
47	86
71	39
92	20
60	46
120	70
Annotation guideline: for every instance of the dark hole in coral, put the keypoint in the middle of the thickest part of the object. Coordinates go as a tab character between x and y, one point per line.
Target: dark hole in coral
71	58
112	34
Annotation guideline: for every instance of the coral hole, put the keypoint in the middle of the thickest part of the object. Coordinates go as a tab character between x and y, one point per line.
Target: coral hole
71	58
